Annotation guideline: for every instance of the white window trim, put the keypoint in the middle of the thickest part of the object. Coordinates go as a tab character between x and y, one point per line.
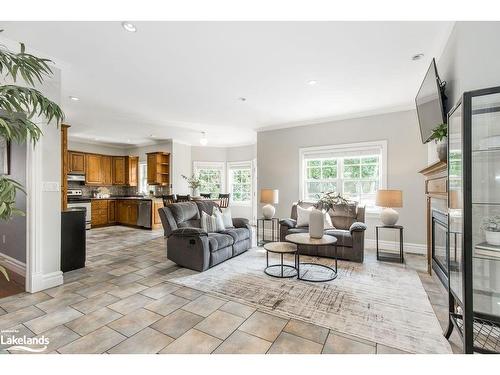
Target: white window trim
197	165
349	147
235	164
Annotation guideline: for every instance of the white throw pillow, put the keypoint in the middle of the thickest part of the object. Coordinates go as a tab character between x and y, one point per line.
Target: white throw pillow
208	223
219	220
303	215
227	218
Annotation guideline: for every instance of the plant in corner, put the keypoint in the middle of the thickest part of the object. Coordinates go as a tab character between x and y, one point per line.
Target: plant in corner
491	227
20	107
438	135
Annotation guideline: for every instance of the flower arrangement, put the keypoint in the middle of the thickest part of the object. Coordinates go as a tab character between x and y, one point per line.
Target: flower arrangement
331	199
193	181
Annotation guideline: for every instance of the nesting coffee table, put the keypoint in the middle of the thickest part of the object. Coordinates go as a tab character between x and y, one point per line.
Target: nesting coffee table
281	248
304	239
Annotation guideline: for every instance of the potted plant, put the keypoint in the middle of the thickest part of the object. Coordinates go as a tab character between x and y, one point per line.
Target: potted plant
438	135
21	107
194	184
333	200
491	227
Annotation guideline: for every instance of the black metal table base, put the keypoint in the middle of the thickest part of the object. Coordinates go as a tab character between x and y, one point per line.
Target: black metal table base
331	269
283	267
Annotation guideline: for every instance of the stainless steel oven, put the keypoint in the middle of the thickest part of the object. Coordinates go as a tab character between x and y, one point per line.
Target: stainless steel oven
75	199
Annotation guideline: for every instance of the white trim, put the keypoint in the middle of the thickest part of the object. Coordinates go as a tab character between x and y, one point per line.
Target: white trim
382	144
13	265
45	281
244	165
221	165
408	247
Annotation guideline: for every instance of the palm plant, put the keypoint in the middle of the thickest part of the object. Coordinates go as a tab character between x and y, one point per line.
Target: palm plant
20	106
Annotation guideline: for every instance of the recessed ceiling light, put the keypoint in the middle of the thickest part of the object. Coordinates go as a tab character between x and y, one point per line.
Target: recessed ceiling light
128	140
417	57
312	82
242	99
97	139
152	135
203	139
129	26
74	98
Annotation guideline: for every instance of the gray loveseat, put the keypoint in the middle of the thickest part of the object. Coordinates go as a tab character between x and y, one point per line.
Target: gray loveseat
189	246
349	231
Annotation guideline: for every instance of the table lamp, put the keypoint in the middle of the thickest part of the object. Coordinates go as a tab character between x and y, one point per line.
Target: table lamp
270	197
389	199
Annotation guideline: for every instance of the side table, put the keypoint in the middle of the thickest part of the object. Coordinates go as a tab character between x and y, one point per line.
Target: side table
261	227
386	256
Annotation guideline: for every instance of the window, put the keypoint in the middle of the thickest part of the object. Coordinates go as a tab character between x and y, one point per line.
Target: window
240	182
143	178
212	176
356	171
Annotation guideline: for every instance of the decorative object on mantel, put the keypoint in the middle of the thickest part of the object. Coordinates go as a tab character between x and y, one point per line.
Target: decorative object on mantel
194	184
270	197
491	227
389	199
439	135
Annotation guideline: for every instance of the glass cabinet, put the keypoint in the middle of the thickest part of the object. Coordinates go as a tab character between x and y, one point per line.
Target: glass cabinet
474	219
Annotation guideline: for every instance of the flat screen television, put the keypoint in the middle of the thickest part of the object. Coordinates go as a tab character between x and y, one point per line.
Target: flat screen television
430	103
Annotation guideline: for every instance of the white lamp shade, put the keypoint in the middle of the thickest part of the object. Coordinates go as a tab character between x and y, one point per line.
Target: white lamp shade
269	196
389	198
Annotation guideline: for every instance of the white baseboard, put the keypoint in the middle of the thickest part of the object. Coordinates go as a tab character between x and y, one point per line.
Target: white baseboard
46	281
13	265
408	247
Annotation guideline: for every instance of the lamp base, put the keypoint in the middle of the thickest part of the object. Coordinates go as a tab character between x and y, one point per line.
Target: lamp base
268	211
389	216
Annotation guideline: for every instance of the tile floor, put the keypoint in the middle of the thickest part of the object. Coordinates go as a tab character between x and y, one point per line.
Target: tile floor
122	302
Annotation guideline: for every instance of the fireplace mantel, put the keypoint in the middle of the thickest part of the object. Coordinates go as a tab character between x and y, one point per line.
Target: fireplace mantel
436	190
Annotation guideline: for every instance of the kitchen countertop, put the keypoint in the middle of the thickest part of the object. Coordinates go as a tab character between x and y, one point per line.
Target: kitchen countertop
124	198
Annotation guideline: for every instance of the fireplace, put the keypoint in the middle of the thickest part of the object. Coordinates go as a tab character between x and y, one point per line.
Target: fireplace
439	245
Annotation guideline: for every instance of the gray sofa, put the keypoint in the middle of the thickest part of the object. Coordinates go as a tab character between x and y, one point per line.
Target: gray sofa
349	231
189	246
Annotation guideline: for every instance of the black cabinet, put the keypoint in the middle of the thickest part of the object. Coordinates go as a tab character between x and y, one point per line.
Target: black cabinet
73	241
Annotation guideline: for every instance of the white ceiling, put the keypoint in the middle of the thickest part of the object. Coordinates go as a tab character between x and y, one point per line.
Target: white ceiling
176	79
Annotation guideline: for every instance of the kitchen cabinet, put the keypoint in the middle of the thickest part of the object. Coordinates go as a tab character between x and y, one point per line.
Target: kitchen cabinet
99	209
111	212
157	204
93	169
76	162
118	170
132	170
158	168
64	166
106	171
127	212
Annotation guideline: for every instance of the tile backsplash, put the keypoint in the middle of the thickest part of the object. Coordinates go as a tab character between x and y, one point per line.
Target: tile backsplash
88	191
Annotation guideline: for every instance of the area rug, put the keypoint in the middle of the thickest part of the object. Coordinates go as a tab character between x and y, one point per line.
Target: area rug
382	302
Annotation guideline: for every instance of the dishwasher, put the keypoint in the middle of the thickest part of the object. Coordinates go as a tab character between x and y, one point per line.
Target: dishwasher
144	217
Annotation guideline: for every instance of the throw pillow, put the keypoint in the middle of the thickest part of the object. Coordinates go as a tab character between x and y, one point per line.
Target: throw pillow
208	223
219	220
227	218
303	215
328	221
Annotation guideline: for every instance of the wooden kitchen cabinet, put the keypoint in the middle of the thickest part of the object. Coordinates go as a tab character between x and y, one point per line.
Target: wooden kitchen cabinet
76	162
111	212
157	204
158	168
99	212
127	212
118	170
132	170
106	170
93	169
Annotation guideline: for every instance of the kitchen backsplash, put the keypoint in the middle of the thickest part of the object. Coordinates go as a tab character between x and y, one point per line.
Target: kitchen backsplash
88	191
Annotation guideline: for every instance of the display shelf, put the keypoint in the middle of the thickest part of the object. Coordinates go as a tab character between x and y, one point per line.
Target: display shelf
486	333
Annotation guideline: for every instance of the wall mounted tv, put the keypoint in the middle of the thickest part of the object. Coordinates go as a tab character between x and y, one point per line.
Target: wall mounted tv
430	103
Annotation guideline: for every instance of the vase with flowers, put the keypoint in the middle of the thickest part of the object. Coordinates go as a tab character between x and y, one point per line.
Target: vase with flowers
194	184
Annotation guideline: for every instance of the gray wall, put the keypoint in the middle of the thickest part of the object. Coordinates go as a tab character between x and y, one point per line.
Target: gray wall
278	162
14	230
181	165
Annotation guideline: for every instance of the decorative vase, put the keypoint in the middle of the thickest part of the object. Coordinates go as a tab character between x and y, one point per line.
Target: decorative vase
268	211
316	223
195	192
442	151
493	238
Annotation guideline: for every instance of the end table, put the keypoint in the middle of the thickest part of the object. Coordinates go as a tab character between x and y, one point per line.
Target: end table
390	257
275	227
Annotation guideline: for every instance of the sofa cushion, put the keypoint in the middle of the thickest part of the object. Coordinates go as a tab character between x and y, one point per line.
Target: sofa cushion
184	211
218	241
207	206
343	237
298	230
195	223
238	234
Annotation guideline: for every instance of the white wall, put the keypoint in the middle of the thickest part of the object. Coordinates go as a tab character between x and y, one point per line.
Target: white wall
278	162
141	151
94	147
181	165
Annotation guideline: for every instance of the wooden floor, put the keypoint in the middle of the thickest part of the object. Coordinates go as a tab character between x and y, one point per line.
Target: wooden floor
12	287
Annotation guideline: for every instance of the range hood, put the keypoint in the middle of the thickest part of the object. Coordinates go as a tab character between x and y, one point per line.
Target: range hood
76	177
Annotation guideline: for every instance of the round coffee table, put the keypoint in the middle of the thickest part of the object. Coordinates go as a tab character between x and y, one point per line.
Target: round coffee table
281	248
304	239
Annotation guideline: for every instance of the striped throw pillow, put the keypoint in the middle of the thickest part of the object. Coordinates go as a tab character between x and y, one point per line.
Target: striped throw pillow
208	223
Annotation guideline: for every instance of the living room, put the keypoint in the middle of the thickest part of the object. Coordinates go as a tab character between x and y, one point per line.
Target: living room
297	187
